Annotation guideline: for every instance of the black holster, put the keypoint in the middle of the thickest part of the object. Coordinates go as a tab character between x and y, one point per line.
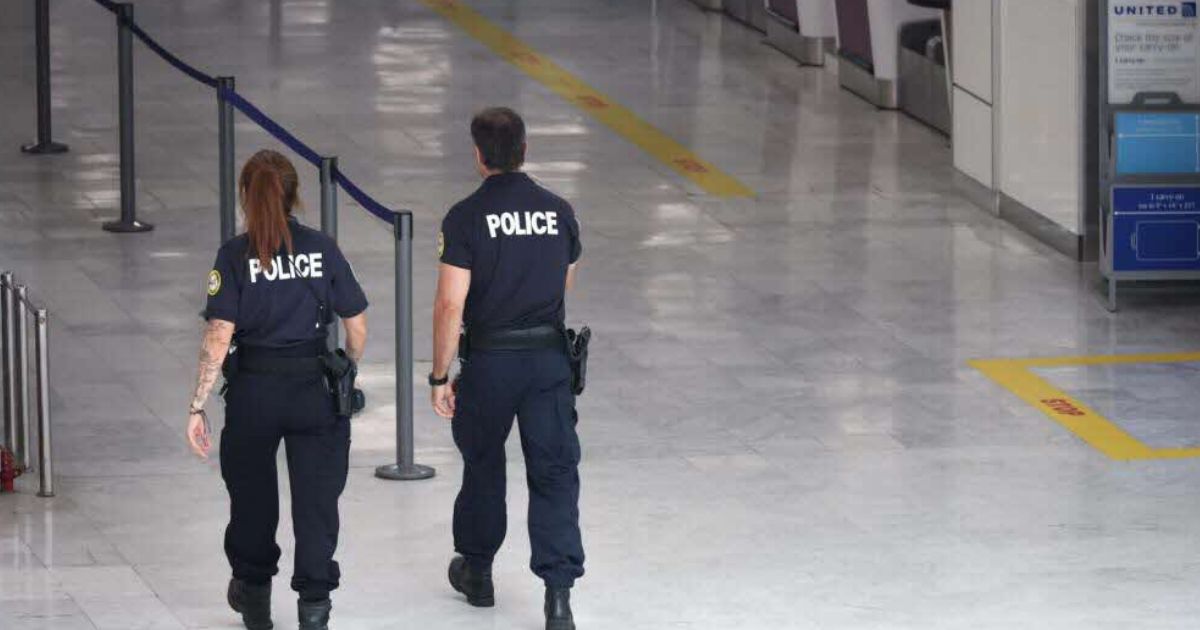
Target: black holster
341	372
577	354
464	346
229	368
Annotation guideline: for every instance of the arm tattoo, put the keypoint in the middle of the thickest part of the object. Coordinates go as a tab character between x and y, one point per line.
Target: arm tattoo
217	336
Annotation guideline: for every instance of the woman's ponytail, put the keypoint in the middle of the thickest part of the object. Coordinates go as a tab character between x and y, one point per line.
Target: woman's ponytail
268	185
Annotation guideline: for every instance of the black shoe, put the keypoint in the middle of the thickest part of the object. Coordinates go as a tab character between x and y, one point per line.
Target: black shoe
314	615
558	609
475	583
253	601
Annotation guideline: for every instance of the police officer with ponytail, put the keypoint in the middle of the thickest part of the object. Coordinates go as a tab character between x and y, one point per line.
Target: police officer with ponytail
272	294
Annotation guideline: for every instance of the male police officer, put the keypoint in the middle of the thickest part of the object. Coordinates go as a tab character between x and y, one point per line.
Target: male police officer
508	254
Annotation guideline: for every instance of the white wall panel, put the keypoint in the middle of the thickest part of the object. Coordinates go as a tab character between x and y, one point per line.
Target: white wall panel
973	137
1041	116
972	43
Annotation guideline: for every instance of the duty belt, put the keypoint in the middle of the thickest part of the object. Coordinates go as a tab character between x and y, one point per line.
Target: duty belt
537	338
304	359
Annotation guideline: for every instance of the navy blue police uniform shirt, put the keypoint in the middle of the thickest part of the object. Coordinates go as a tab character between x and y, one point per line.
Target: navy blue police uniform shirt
270	305
518	239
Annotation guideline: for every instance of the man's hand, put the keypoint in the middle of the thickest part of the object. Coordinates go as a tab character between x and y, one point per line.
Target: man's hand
197	435
442	397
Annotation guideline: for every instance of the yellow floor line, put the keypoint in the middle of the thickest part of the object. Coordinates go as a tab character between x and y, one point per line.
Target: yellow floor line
1117	359
575	91
1101	433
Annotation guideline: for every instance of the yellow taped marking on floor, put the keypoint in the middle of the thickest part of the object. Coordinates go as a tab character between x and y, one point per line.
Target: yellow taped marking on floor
1016	375
575	91
1168	357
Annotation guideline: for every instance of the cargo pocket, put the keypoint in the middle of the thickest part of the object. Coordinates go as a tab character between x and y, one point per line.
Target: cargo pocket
568	420
467	428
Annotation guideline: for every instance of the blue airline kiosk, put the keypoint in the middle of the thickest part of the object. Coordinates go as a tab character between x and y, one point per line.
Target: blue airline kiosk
1150	144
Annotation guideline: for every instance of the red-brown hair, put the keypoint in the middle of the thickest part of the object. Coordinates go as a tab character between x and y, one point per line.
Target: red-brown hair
268	189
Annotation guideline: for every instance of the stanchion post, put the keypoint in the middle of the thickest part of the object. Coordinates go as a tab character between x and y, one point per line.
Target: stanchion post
9	358
329	210
20	449
329	219
405	468
45	145
45	455
225	140
128	222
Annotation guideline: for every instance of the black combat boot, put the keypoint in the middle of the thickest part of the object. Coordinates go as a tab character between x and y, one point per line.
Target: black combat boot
253	601
473	582
558	609
314	615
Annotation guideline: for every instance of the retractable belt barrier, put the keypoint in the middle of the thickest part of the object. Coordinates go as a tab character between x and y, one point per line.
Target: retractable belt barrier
252	112
405	467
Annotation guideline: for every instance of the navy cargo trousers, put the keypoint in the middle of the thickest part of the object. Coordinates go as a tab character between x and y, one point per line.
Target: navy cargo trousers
262	410
535	387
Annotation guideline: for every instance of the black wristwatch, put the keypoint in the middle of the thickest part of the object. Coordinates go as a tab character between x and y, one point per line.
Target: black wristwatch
438	382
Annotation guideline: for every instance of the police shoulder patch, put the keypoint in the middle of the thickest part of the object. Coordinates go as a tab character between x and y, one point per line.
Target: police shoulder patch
214	282
441	244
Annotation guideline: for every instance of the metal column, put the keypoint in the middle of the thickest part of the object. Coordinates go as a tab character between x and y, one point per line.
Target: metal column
45	145
329	221
404	468
45	456
128	222
20	449
225	141
8	314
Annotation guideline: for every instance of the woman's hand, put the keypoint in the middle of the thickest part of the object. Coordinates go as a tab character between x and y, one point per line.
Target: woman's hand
197	435
218	334
442	397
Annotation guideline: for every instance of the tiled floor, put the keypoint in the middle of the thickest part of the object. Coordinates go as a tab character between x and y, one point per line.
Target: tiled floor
1155	403
781	430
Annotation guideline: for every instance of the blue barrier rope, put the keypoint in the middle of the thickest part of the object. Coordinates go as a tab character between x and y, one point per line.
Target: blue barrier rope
166	55
178	63
303	150
366	201
270	126
262	120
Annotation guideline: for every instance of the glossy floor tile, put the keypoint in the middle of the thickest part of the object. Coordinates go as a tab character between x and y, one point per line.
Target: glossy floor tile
781	429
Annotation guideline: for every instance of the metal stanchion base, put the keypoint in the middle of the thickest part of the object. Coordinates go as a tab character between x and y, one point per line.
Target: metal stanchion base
121	227
45	148
396	472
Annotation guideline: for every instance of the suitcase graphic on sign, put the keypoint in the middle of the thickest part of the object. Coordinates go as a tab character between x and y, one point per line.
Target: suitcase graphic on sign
1167	241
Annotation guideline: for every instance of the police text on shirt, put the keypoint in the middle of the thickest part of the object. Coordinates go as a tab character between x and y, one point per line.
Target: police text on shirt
523	223
299	266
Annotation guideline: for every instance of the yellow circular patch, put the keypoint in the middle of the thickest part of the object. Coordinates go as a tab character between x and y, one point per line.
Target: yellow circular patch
441	244
214	282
